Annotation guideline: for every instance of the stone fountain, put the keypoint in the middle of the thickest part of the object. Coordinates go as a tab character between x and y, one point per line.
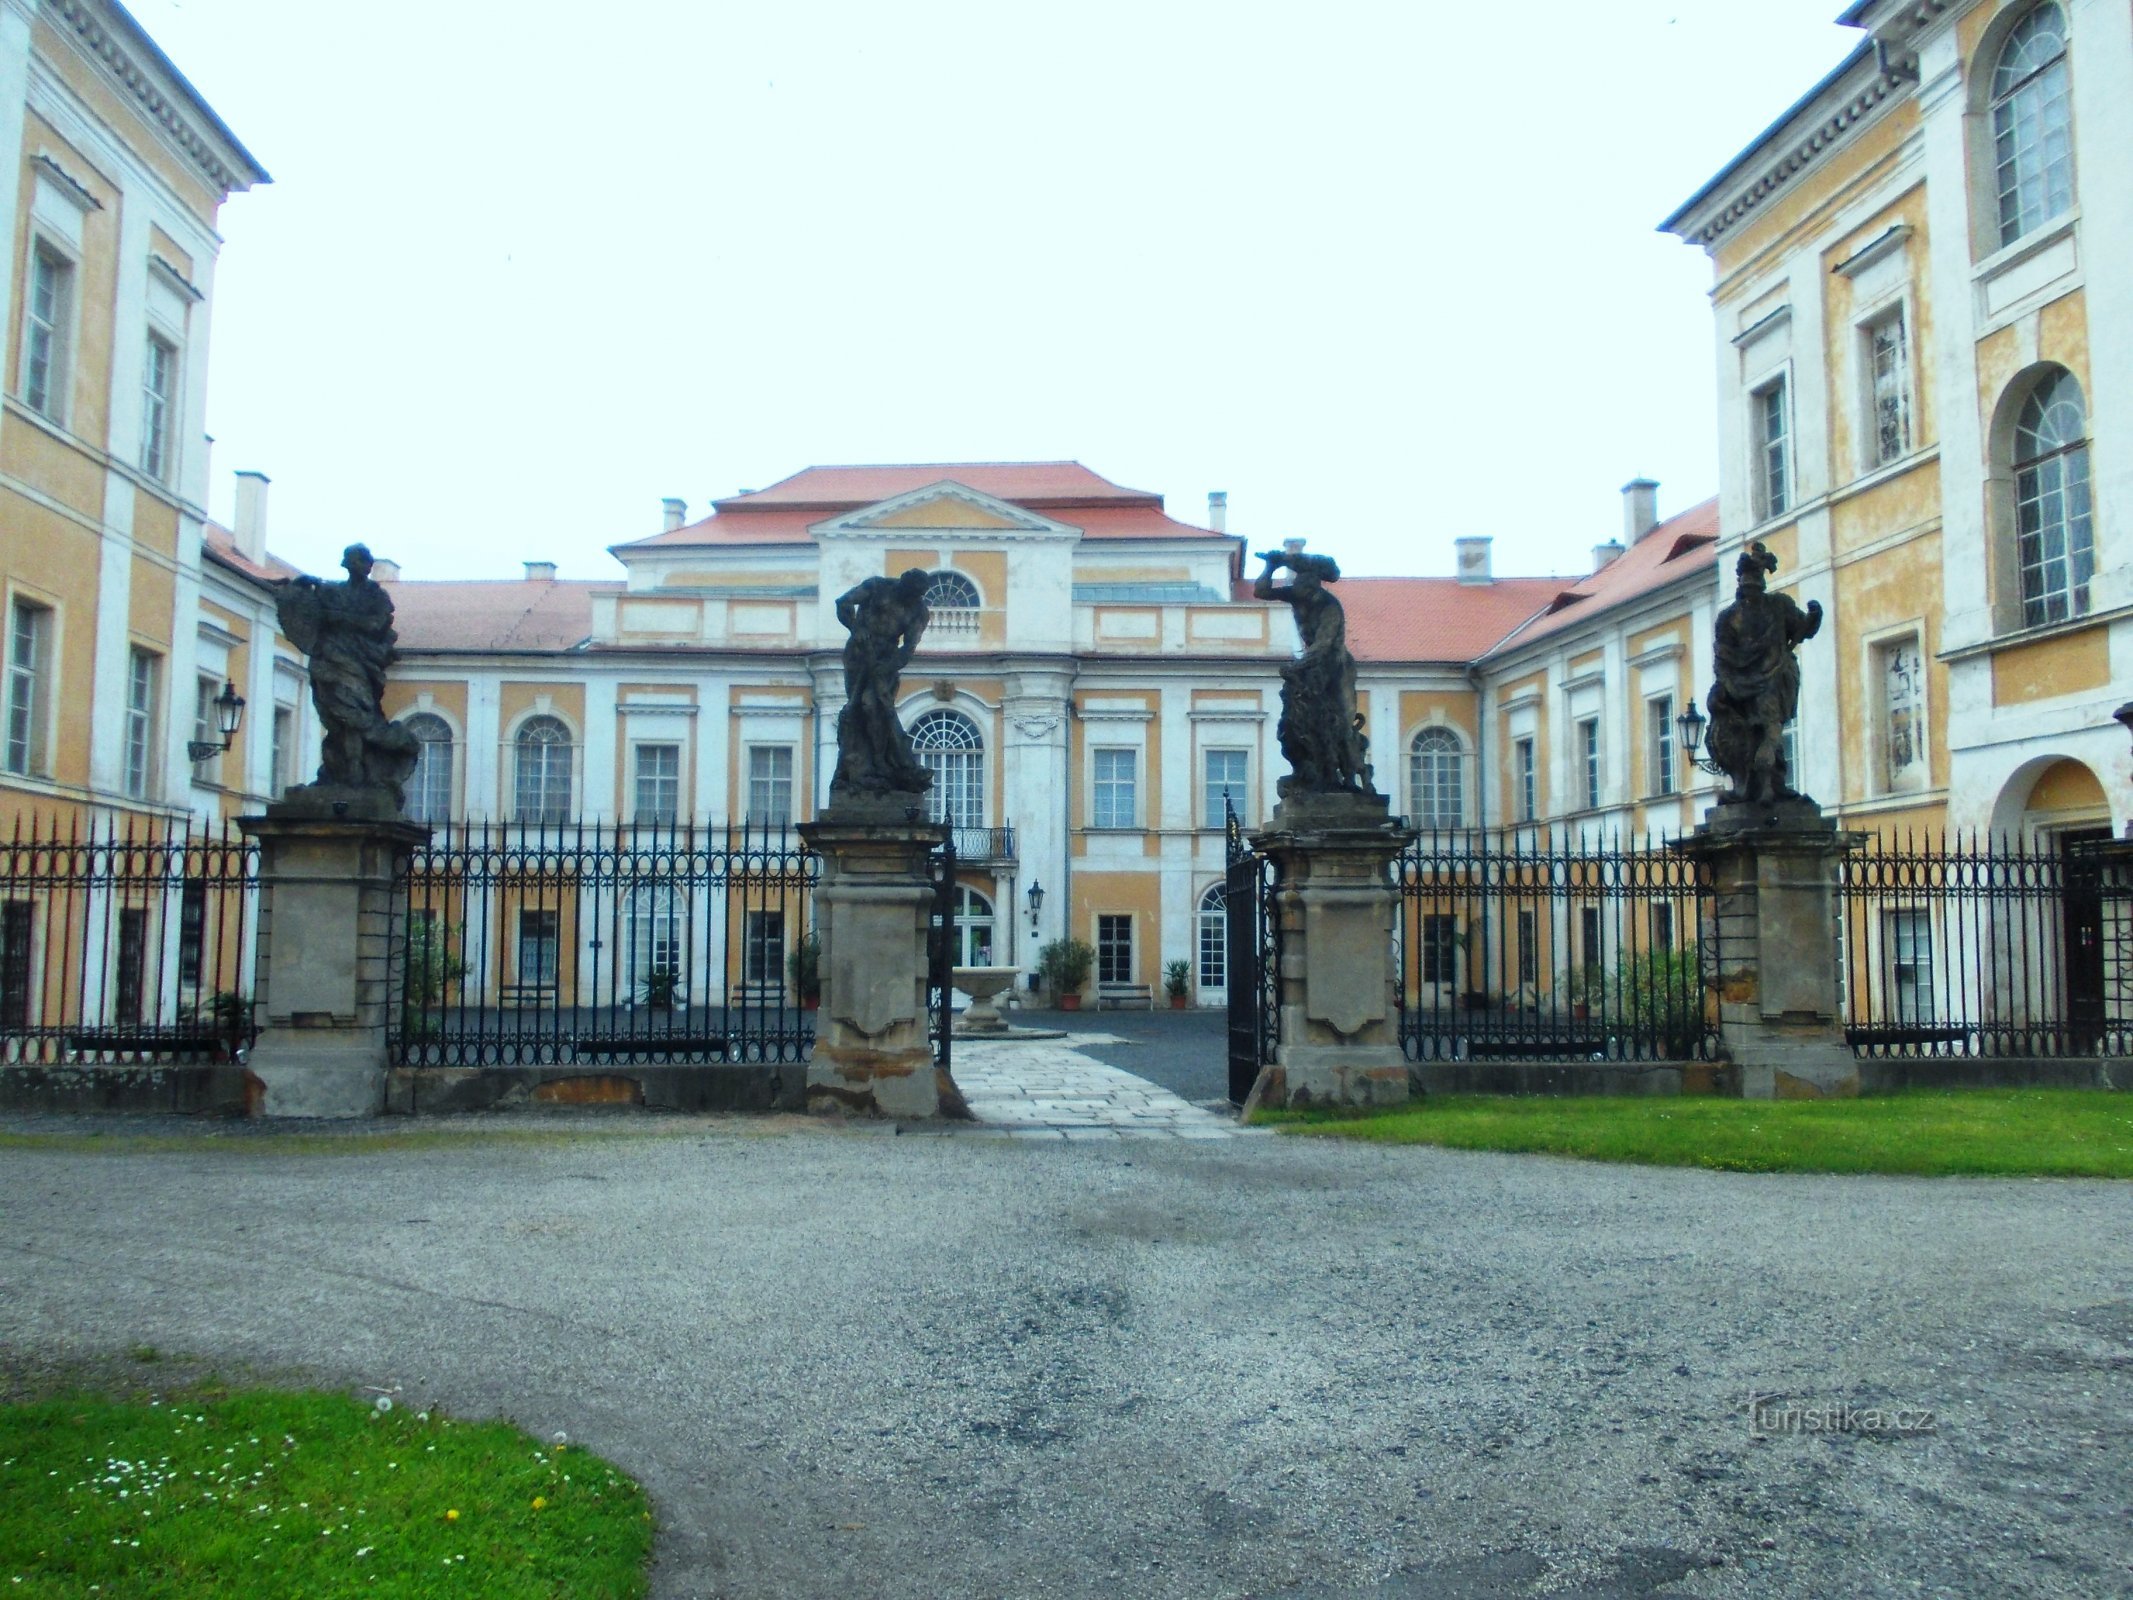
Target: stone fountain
984	985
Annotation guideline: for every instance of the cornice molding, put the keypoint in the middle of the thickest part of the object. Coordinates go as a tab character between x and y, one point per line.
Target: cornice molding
163	272
66	185
1019	524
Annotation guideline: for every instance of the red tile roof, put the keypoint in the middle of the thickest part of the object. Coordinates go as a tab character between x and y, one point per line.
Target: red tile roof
220	546
1683	546
499	614
1435	619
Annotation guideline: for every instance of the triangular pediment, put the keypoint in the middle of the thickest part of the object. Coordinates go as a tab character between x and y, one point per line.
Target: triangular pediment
945	507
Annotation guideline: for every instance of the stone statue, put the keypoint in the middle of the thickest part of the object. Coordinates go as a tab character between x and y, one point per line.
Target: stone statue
885	618
1321	732
346	629
1758	687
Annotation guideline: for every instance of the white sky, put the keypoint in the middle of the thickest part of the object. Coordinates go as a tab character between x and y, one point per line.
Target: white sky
1385	273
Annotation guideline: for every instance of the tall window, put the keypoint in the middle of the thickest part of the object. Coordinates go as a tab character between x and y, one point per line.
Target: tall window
972	946
1522	775
17	962
540	938
429	791
2032	133
1907	945
192	932
205	731
1214	938
29	655
1440	949
1589	935
283	751
770	784
142	668
1434	778
2053	544
543	778
129	986
949	746
1224	790
1773	450
1589	759
1116	782
1888	356
1663	927
763	949
1902	674
658	783
951	591
44	344
654	929
159	375
1114	949
1528	945
1660	711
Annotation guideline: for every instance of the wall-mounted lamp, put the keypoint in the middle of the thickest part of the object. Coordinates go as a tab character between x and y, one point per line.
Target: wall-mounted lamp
229	716
1691	724
1036	903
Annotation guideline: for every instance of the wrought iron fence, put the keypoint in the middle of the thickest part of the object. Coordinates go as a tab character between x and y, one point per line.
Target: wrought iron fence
126	940
1252	956
1522	945
1975	946
605	944
940	955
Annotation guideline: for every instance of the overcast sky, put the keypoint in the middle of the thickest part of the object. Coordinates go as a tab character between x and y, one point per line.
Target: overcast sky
1384	273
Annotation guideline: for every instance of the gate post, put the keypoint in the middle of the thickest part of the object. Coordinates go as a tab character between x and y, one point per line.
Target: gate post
873	910
1338	1041
1779	978
327	891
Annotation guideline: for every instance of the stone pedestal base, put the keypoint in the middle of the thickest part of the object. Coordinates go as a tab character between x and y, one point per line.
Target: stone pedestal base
326	892
1339	1025
873	1046
1774	883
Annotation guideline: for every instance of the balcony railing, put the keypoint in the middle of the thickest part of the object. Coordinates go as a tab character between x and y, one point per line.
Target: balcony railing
976	845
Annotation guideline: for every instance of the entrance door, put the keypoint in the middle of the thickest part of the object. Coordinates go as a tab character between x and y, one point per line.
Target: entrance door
2084	937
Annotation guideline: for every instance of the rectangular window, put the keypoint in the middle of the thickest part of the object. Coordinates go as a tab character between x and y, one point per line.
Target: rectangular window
17	960
658	783
1114	948
142	669
1789	738
1589	759
1907	944
540	937
1528	946
1589	936
770	768
1226	770
1115	798
763	949
128	989
29	654
1528	796
192	932
1440	949
1773	476
205	731
1662	743
283	755
49	313
1899	669
1888	354
159	375
1662	927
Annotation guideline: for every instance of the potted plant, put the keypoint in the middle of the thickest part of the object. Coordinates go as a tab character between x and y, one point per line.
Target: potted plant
1177	979
805	967
1580	985
431	969
1066	965
659	989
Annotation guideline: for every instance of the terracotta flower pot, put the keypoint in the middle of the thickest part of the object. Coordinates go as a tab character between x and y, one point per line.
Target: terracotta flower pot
1070	1001
1177	1002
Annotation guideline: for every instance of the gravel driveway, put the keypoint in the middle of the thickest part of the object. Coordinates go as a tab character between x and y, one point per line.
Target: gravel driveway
855	1364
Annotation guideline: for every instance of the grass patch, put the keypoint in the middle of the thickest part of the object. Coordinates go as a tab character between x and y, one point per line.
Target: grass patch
1999	1133
218	1492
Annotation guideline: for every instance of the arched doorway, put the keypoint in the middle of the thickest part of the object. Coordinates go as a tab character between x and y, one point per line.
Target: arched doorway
2054	809
973	944
1211	944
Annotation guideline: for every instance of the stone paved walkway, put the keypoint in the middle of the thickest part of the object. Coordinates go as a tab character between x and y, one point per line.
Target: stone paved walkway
1047	1089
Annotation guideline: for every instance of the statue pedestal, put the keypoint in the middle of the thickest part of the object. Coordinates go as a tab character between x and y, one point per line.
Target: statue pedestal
873	909
1335	905
327	887
1774	887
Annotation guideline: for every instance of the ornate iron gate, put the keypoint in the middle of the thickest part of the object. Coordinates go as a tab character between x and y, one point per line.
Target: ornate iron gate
940	956
1253	960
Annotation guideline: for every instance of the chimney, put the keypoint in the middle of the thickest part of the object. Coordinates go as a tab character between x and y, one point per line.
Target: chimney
1218	510
1640	509
1473	558
536	571
384	570
673	513
1294	547
1602	554
251	529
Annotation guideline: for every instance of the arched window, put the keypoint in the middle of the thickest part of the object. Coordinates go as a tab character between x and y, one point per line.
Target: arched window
653	926
2032	131
429	790
951	591
543	777
2054	549
1213	943
949	745
973	929
1435	774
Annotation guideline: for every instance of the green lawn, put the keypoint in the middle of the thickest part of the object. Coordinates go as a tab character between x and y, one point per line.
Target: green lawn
2059	1133
262	1491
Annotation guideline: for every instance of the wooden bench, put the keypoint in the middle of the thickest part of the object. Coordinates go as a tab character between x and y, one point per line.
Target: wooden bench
1124	997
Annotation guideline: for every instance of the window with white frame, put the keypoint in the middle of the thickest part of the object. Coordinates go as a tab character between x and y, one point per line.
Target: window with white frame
1116	789
951	591
949	745
1888	365
1440	949
1659	741
1524	777
1789	742
2032	125
159	384
658	796
1589	760
541	780
2054	543
29	669
1436	792
205	729
1907	953
48	315
763	949
1114	949
770	770
974	924
1771	429
1225	773
429	790
540	942
281	756
1900	677
143	674
1214	938
654	926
